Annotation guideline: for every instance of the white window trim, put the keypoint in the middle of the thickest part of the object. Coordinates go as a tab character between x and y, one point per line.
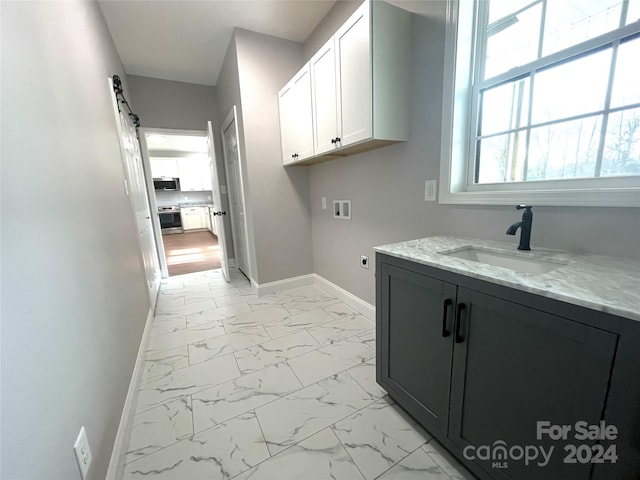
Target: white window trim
454	157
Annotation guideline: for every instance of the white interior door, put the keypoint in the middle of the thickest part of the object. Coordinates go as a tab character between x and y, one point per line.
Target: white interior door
217	202
235	189
153	204
137	191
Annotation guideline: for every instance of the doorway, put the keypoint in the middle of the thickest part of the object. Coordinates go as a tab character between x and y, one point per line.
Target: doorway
182	189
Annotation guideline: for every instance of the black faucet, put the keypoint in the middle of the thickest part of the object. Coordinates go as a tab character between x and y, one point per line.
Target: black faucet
524	226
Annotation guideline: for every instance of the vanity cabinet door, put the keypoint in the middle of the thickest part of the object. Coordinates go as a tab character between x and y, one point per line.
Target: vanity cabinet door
513	366
415	342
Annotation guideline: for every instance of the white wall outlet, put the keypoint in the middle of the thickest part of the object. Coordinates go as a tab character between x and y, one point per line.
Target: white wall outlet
324	203
364	261
342	209
83	452
223	189
430	190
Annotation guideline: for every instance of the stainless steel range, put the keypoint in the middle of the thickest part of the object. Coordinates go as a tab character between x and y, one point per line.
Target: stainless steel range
170	219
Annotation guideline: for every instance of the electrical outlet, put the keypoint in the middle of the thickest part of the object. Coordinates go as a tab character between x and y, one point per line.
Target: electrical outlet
83	452
324	203
430	188
364	261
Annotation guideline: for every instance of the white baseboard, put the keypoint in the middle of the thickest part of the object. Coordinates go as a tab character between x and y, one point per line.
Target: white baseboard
350	299
286	284
116	464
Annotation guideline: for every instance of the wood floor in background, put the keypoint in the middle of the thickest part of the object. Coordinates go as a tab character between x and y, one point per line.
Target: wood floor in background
191	252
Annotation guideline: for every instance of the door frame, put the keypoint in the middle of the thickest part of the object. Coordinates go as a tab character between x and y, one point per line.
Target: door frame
146	162
231	117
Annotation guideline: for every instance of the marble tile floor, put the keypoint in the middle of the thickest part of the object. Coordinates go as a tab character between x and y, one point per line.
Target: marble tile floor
279	387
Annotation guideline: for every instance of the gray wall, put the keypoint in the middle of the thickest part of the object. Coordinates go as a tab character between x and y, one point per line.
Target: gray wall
168	104
228	91
279	197
386	186
74	298
328	26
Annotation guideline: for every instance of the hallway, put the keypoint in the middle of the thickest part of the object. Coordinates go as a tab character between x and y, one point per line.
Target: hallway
279	387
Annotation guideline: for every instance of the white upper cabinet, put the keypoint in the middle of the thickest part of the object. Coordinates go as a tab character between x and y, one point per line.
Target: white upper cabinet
296	128
354	76
359	86
194	174
325	98
164	167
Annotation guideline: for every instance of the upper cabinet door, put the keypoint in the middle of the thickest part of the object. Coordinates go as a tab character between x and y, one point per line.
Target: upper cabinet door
324	98
164	167
194	174
354	74
296	124
303	120
288	132
204	169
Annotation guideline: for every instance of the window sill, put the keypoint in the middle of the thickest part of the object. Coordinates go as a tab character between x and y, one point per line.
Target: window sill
609	197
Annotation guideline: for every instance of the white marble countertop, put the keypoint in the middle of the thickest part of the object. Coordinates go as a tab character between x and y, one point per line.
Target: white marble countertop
607	284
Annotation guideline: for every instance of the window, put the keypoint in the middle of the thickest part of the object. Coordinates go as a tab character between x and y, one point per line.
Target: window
545	103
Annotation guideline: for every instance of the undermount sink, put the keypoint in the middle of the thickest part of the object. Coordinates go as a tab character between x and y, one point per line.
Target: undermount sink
505	259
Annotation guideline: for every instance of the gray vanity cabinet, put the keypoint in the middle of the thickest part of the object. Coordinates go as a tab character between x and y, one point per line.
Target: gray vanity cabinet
515	365
417	325
476	363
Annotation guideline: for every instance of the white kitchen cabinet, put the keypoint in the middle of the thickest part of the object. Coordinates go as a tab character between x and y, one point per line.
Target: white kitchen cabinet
164	167
207	218
212	222
296	129
360	84
194	174
194	218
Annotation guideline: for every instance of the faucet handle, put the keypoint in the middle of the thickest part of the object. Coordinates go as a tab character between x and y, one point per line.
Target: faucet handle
520	207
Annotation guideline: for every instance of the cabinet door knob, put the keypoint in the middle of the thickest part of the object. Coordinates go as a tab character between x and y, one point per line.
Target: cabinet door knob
461	307
333	140
445	309
337	139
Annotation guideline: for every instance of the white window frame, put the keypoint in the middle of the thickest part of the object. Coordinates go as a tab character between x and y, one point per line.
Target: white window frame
456	184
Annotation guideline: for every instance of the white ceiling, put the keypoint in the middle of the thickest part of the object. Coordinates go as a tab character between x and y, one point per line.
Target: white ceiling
186	40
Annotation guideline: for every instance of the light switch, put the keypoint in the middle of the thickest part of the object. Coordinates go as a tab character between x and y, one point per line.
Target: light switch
430	187
324	203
